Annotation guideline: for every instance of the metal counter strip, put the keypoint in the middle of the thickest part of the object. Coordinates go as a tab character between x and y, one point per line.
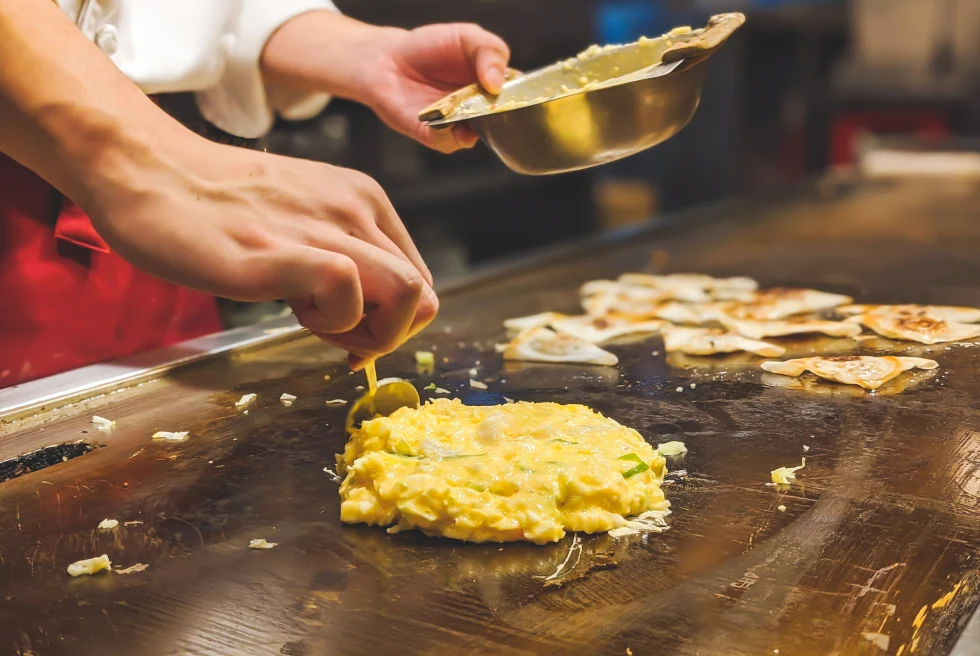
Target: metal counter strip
85	382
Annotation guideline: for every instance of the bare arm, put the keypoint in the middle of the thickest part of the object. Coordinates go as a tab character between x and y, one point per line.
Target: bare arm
66	112
234	223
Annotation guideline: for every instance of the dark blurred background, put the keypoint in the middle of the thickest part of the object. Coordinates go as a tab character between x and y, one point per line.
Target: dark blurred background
789	96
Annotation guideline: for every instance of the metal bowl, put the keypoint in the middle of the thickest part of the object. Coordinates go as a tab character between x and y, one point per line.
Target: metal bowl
603	105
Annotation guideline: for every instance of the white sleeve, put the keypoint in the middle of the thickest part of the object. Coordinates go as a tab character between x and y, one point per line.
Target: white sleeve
240	102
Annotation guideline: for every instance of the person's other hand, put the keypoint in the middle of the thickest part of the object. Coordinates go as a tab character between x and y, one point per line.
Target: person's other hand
413	69
251	226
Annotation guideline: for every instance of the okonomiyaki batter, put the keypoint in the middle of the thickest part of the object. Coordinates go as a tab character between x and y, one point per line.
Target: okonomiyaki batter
521	471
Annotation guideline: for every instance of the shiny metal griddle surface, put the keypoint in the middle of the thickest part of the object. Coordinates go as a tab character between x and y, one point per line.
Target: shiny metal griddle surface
882	536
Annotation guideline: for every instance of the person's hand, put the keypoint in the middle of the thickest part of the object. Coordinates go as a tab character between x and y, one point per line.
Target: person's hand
251	226
395	72
411	70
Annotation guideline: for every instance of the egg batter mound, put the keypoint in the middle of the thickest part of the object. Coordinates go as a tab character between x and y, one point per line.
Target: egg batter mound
521	471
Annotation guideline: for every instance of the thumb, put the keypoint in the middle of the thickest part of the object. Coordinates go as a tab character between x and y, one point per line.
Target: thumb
488	53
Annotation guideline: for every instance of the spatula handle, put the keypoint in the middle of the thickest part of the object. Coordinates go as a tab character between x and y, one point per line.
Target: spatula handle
446	106
719	28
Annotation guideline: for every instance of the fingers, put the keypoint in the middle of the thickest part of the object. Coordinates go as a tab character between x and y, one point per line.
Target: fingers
392	290
325	290
393	236
488	54
427	310
445	141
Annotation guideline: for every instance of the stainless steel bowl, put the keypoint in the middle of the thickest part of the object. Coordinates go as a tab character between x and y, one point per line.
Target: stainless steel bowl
601	106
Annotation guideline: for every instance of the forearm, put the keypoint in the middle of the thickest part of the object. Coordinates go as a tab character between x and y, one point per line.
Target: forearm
66	111
324	51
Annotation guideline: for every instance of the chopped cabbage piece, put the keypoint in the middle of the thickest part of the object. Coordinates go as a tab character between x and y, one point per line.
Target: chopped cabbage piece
786	475
90	566
178	436
245	400
102	423
672	448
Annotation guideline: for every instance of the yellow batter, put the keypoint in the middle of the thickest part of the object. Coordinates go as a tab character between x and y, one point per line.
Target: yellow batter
521	471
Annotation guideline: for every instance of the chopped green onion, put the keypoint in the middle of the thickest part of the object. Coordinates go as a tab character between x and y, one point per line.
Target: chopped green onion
558	439
430	387
640	467
476	487
463	455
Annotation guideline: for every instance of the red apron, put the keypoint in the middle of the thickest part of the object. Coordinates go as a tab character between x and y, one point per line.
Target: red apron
66	300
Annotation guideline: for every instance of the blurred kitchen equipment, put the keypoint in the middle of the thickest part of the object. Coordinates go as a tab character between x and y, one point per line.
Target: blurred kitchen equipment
603	105
908	156
917	35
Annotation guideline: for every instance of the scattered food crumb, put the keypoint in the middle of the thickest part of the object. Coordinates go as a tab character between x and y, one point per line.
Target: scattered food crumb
245	413
477	363
135	569
425	361
629	652
680	389
90	566
806	448
337	402
448	330
210	462
693	385
445	358
287	399
261	543
245	400
785	475
135	522
333	475
477	384
781	508
672	448
656	353
439	390
327	377
359	388
879	640
108	524
102	423
508	400
178	436
473	372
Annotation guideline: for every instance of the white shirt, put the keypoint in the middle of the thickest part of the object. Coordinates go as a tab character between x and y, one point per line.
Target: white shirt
208	47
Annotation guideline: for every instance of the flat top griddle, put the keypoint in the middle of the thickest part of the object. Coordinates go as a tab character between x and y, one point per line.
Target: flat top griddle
881	538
